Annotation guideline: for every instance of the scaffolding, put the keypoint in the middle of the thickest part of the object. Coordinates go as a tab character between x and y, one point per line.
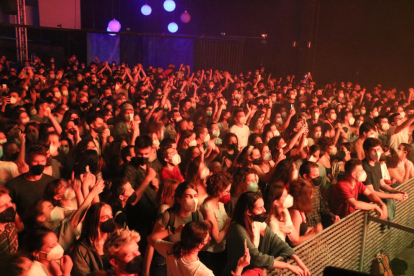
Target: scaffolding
21	32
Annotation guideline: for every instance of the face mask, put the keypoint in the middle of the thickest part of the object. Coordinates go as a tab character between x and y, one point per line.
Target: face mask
57	214
190	204
129	117
274	99
402	114
65	92
257	161
242	120
79	78
363	112
192	143
385	126
333	116
279	121
260	218
108	226
3	141
253	187
69	193
209	113
204	173
357	114
13	100
375	114
155	143
207	138
333	151
317	181
131	199
292	97
8	215
55	254
295	174
237	96
375	156
37	169
318	134
134	266
64	149
58	95
178	119
216	133
176	159
33	112
315	116
351	121
267	157
362	177
284	114
225	199
312	159
288	202
100	129
53	149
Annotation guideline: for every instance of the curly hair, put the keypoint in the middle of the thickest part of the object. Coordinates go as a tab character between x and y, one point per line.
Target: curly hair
302	191
324	142
239	177
36	149
216	183
117	240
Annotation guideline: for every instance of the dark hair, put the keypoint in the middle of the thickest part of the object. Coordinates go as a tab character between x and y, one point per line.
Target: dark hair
11	264
324	142
143	142
33	241
36	149
366	127
239	177
51	190
216	183
306	167
92	117
351	164
407	148
393	159
370	143
31	214
252	138
392	117
273	191
283	171
88	158
301	190
179	192
193	234
245	202
90	233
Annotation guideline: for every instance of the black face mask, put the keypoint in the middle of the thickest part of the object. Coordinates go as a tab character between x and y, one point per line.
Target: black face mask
131	199
108	226
75	121
8	215
260	218
37	169
134	266
85	105
257	161
99	129
14	156
232	147
139	161
49	99
317	181
191	110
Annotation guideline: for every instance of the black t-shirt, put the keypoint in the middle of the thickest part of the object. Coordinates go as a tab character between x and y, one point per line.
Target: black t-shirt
374	176
25	193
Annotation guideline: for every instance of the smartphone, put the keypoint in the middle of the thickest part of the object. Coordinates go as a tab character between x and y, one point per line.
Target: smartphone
292	106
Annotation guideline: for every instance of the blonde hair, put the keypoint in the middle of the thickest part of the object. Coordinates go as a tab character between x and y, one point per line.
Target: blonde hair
117	240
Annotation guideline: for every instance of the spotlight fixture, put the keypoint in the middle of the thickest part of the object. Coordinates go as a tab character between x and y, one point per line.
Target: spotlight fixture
264	36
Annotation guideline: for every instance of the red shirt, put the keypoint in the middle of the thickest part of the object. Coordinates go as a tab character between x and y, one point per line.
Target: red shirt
174	174
341	192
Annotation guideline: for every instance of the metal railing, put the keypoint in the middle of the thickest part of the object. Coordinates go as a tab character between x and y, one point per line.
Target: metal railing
353	242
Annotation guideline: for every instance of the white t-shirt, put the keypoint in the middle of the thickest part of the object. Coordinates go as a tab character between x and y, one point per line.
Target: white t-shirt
257	228
400	137
180	267
8	170
242	134
274	224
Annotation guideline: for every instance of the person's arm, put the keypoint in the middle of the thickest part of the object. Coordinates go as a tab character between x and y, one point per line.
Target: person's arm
293	141
266	177
55	124
286	124
374	198
20	161
151	174
301	265
392	193
297	221
405	124
135	132
217	235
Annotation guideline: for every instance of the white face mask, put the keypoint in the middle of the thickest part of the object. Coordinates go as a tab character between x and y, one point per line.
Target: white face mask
25	121
363	111
315	116
333	116
33	112
190	204
129	117
267	157
279	121
204	173
65	92
69	193
318	134
288	202
13	100
179	119
312	159
57	214
55	254
216	133
156	143
385	126
58	95
242	120
176	159
53	149
207	138
351	120
402	114
333	151
193	143
362	177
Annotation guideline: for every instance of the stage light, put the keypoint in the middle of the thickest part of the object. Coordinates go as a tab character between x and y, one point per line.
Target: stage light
114	25
169	5
108	30
264	36
185	17
172	27
294	44
146	10
309	44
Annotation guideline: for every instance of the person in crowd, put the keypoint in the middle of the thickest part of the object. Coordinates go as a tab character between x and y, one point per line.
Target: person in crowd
264	246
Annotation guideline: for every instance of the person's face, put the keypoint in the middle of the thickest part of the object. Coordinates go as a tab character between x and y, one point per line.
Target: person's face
265	150
188	194
190	125
314	172
239	116
38	160
196	153
281	143
373	150
258	207
126	254
91	145
98	123
250	179
402	151
23	117
50	241
146	152
232	140
255	154
54	140
357	171
281	200
344	149
5	202
128	191
371	132
316	154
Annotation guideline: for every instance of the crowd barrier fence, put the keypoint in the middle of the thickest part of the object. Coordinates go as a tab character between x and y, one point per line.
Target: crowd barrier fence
353	242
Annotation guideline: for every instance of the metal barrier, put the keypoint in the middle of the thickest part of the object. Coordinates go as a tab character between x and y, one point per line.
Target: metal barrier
353	242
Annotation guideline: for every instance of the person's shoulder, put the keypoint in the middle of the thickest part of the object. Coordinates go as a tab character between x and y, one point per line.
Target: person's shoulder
15	181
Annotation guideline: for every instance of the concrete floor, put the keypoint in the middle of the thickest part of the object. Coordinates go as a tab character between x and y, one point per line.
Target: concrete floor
403	264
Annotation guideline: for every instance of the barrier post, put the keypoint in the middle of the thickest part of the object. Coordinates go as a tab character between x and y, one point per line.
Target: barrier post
364	237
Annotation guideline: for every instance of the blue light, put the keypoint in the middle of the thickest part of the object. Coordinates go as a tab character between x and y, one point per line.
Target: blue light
172	27
146	10
108	30
169	5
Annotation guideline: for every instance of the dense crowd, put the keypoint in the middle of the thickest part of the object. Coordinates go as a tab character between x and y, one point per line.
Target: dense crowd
111	169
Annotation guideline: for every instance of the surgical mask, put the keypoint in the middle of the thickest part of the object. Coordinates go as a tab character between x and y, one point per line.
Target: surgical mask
317	181
362	177
57	214
375	155
55	254
375	114
192	143
25	121
279	121
333	116
312	159
237	96
13	100
58	95
315	116
402	114
253	187
288	202
242	120
385	126
190	204
257	161
363	111
178	119
129	117
69	193
64	149
33	112
351	120
359	123
260	218
284	114
225	199
156	143
65	92
204	173
267	157
3	141
37	169
176	159
216	133
209	113
333	151
318	134
207	138
292	97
